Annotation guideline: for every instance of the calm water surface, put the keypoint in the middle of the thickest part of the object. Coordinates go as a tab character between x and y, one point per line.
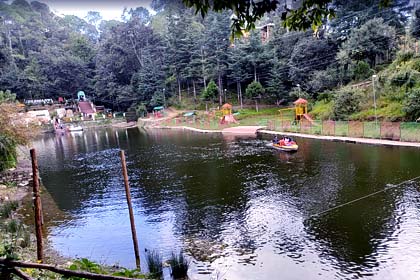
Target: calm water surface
241	209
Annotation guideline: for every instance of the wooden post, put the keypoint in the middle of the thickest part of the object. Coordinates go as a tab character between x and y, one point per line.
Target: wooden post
38	207
130	209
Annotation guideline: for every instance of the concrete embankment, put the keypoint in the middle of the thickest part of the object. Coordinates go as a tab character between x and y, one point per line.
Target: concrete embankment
369	141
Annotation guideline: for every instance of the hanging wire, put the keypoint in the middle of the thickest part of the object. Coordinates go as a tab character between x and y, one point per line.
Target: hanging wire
363	197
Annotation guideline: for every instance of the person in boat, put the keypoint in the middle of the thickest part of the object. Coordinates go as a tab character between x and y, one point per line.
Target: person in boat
276	140
286	141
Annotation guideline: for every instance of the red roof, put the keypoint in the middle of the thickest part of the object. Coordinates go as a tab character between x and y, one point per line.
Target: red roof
300	101
227	106
86	107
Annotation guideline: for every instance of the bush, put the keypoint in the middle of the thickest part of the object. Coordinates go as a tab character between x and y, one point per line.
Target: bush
154	263
326	96
7	208
254	90
362	71
412	104
210	93
141	110
179	266
346	103
407	78
404	56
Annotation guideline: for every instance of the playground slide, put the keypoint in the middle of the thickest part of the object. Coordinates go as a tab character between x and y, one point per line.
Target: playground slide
306	116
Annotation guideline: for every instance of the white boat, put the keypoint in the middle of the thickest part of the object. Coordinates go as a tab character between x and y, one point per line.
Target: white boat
292	147
75	128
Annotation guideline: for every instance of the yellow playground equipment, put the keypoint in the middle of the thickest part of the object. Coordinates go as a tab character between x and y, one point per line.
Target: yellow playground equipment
227	116
300	111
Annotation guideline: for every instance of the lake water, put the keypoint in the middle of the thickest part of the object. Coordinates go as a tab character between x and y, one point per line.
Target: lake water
240	208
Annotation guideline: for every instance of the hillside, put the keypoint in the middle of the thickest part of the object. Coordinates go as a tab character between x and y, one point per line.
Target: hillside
395	88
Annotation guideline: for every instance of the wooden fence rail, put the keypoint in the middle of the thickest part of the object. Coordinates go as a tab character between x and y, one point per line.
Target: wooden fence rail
14	265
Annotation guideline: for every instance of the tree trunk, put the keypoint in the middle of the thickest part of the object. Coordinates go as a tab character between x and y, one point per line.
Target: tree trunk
255	73
202	65
219	78
194	92
240	94
179	90
256	105
237	91
138	56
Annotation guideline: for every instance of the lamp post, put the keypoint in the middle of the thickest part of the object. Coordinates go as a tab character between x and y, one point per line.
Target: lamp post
225	94
374	97
298	85
164	98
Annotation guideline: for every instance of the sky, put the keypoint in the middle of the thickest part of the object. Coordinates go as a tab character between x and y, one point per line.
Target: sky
109	9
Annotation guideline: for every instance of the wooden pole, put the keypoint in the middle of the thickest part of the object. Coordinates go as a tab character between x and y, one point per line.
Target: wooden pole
38	207
130	209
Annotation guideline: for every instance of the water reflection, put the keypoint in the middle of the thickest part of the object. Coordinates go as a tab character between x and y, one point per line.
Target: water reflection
236	203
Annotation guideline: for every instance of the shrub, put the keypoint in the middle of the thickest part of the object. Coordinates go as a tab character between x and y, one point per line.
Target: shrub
179	266
325	96
254	90
412	104
407	78
154	263
7	208
346	103
362	71
404	56
210	93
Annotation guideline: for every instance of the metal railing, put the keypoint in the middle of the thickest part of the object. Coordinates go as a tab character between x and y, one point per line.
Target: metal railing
398	131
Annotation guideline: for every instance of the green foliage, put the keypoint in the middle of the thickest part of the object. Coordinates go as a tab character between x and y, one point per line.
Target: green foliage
346	102
412	104
415	24
254	90
210	93
405	78
8	153
141	110
7	208
154	263
179	265
326	96
7	96
362	71
86	265
130	273
310	55
372	40
404	56
322	110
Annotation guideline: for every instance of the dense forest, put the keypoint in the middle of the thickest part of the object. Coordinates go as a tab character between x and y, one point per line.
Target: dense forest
176	56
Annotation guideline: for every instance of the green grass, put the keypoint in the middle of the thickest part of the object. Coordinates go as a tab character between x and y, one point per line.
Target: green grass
322	110
243	113
7	208
371	130
179	266
410	131
155	264
341	128
390	111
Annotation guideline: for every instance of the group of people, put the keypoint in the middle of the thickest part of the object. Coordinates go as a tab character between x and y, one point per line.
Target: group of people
284	141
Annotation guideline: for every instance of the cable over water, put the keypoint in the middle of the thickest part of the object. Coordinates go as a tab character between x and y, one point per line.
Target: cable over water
363	197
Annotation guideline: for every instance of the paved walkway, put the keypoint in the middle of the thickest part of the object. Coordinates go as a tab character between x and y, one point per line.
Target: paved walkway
346	139
242	129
